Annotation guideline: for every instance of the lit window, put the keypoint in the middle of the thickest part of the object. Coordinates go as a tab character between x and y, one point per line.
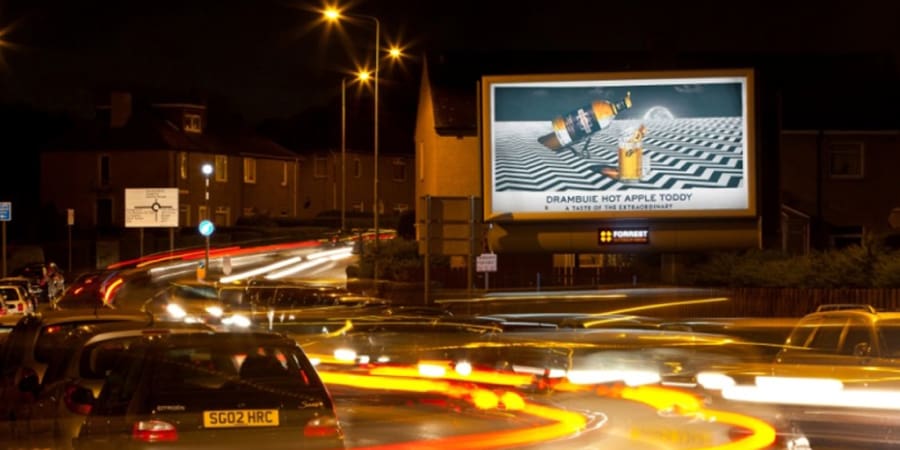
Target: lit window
183	165
184	215
400	208
202	213
221	169
358	206
284	174
845	160
399	170
320	167
357	168
223	216
249	170
193	123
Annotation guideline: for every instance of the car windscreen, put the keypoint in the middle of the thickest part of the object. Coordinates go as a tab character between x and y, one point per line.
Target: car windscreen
201	375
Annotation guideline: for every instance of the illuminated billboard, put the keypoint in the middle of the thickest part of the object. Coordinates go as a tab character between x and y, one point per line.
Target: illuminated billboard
619	145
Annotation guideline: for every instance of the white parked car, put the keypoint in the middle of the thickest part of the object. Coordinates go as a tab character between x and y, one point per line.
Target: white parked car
16	300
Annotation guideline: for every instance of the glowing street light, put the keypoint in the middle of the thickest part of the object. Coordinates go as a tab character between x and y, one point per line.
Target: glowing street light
207	170
333	14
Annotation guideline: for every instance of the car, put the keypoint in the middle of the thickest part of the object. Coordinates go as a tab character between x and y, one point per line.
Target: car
28	347
218	390
835	379
17	300
50	413
97	289
25	352
279	302
31	289
198	301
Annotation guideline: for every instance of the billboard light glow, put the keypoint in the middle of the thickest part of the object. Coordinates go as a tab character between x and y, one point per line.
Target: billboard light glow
619	145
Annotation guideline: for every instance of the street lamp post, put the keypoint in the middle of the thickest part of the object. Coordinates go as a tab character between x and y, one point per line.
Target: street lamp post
343	154
207	170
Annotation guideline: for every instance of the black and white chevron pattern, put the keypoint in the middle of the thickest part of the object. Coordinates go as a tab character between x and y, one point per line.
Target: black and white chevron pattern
685	154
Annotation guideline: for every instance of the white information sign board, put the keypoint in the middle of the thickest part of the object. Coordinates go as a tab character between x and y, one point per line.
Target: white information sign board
151	207
486	262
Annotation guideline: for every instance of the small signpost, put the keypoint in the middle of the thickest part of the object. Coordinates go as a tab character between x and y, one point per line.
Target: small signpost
5	216
70	220
486	263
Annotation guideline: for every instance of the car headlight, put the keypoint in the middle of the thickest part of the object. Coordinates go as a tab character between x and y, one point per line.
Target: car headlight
214	311
345	354
237	320
176	311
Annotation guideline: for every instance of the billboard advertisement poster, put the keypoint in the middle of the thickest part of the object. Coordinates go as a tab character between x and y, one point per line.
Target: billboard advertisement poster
619	145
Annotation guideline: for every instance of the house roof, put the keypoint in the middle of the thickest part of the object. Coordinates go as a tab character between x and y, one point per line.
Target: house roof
148	129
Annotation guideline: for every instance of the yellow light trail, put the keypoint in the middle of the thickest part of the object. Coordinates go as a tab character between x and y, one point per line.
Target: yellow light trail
562	424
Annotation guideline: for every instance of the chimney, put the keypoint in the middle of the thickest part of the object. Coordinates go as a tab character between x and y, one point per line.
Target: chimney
119	109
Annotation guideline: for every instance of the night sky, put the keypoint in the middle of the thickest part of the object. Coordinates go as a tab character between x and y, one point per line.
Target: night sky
273	58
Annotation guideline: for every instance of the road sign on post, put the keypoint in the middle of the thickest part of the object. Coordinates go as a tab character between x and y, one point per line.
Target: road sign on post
5	216
486	262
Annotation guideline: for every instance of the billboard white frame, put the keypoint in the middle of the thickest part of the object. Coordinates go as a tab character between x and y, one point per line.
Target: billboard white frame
699	142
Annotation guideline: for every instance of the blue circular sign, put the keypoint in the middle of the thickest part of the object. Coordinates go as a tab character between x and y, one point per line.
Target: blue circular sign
206	228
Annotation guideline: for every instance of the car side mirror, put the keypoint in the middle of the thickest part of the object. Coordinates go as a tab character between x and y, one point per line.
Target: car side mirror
861	349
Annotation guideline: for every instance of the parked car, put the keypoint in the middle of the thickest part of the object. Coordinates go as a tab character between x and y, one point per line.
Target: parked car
51	414
16	299
31	289
222	390
29	346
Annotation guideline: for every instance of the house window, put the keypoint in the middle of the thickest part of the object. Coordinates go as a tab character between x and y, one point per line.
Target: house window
320	167
400	208
842	237
399	170
358	206
284	173
104	170
193	123
104	212
202	213
223	216
249	170
845	161
184	215
183	165
221	171
357	168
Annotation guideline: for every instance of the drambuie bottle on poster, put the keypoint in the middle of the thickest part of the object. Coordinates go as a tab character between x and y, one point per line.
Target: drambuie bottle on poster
578	124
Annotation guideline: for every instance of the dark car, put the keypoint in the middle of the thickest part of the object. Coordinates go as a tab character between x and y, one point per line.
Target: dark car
220	390
28	348
50	414
91	290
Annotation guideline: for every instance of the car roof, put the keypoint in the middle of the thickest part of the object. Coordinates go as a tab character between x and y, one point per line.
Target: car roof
115	330
75	315
218	338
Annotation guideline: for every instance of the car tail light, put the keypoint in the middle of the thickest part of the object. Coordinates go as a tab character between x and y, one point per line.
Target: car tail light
20	307
323	427
154	431
75	401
